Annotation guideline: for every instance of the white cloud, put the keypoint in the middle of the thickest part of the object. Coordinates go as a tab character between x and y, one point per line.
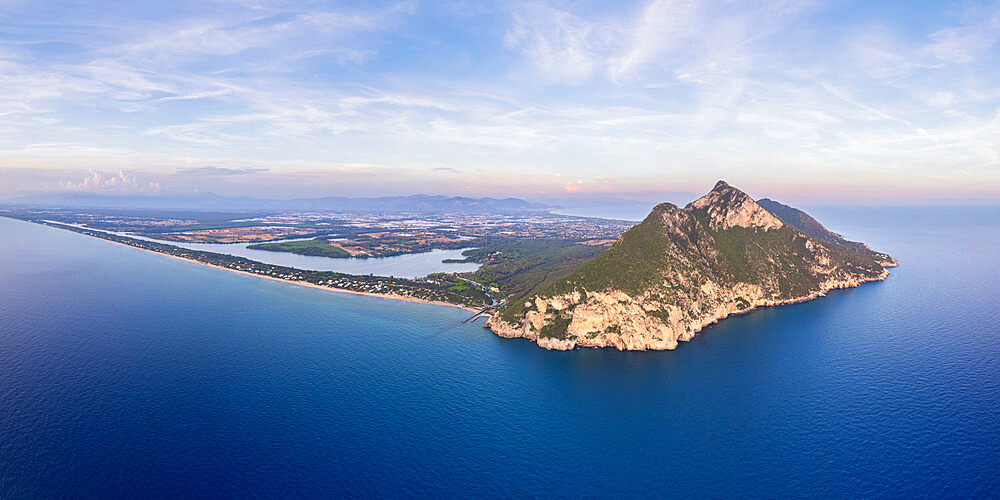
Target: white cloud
119	182
646	44
965	44
563	47
665	91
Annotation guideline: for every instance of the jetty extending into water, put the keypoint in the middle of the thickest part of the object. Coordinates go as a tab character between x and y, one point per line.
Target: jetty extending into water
483	311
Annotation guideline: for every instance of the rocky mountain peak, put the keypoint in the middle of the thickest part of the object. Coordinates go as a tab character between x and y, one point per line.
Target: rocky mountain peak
729	207
682	269
664	207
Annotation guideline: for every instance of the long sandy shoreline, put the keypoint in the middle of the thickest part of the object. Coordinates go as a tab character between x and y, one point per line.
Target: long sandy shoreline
293	282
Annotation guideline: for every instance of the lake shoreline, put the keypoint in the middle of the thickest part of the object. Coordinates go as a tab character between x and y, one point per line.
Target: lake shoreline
386	266
293	282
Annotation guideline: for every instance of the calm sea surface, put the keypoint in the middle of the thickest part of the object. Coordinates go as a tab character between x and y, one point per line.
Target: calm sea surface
129	374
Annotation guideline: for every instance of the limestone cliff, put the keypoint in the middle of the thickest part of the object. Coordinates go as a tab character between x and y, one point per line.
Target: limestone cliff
682	269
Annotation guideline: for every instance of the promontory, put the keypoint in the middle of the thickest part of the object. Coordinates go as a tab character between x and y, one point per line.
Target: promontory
682	269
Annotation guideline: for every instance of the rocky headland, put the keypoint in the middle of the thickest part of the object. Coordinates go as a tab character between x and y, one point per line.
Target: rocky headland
682	269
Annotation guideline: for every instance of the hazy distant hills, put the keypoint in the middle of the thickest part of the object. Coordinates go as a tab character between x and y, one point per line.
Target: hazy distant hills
420	203
210	201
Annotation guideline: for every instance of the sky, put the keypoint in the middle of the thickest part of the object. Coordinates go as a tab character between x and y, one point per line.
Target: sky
840	101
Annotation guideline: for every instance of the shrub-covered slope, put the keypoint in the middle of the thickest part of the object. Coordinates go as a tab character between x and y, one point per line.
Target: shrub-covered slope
811	227
681	269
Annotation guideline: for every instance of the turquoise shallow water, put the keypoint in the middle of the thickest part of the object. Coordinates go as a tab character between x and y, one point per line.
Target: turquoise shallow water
125	374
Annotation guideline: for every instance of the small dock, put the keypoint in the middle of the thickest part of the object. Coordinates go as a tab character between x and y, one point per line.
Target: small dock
475	316
483	310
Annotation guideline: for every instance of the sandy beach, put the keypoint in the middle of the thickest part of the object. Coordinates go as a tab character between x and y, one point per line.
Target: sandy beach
293	282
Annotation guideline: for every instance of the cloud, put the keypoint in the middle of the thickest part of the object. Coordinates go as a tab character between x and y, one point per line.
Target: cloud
573	187
286	31
212	170
968	43
654	42
119	182
562	46
657	92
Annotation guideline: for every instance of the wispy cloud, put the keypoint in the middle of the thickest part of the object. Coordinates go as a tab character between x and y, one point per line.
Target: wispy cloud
212	170
667	94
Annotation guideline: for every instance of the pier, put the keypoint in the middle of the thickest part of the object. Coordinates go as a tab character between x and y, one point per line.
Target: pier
476	315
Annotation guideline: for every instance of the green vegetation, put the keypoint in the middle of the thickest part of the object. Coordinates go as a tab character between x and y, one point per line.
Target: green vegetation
812	228
781	256
557	327
631	265
521	266
460	285
426	289
201	226
663	316
667	259
316	248
389	245
751	256
673	252
383	245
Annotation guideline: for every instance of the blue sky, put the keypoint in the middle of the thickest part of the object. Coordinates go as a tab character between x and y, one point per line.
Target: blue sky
824	101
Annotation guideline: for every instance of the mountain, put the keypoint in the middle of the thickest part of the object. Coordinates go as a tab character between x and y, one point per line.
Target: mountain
420	203
609	207
811	227
682	269
211	201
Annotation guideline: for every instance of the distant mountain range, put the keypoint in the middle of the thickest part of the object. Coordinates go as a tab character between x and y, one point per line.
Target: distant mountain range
682	269
210	201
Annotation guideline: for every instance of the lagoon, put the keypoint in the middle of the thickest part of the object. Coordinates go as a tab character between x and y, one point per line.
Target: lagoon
416	265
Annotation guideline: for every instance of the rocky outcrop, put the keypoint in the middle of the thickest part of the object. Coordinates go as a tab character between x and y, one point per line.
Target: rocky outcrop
681	270
729	207
623	322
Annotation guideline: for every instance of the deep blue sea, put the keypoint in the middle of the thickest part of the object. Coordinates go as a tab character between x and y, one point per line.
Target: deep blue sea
129	374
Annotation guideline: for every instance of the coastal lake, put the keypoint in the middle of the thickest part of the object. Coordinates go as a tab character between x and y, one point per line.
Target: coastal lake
128	374
414	265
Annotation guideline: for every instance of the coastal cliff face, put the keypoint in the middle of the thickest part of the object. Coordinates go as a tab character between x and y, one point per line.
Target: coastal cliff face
683	269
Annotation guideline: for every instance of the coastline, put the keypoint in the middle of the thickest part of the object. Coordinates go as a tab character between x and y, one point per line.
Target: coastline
506	330
293	282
